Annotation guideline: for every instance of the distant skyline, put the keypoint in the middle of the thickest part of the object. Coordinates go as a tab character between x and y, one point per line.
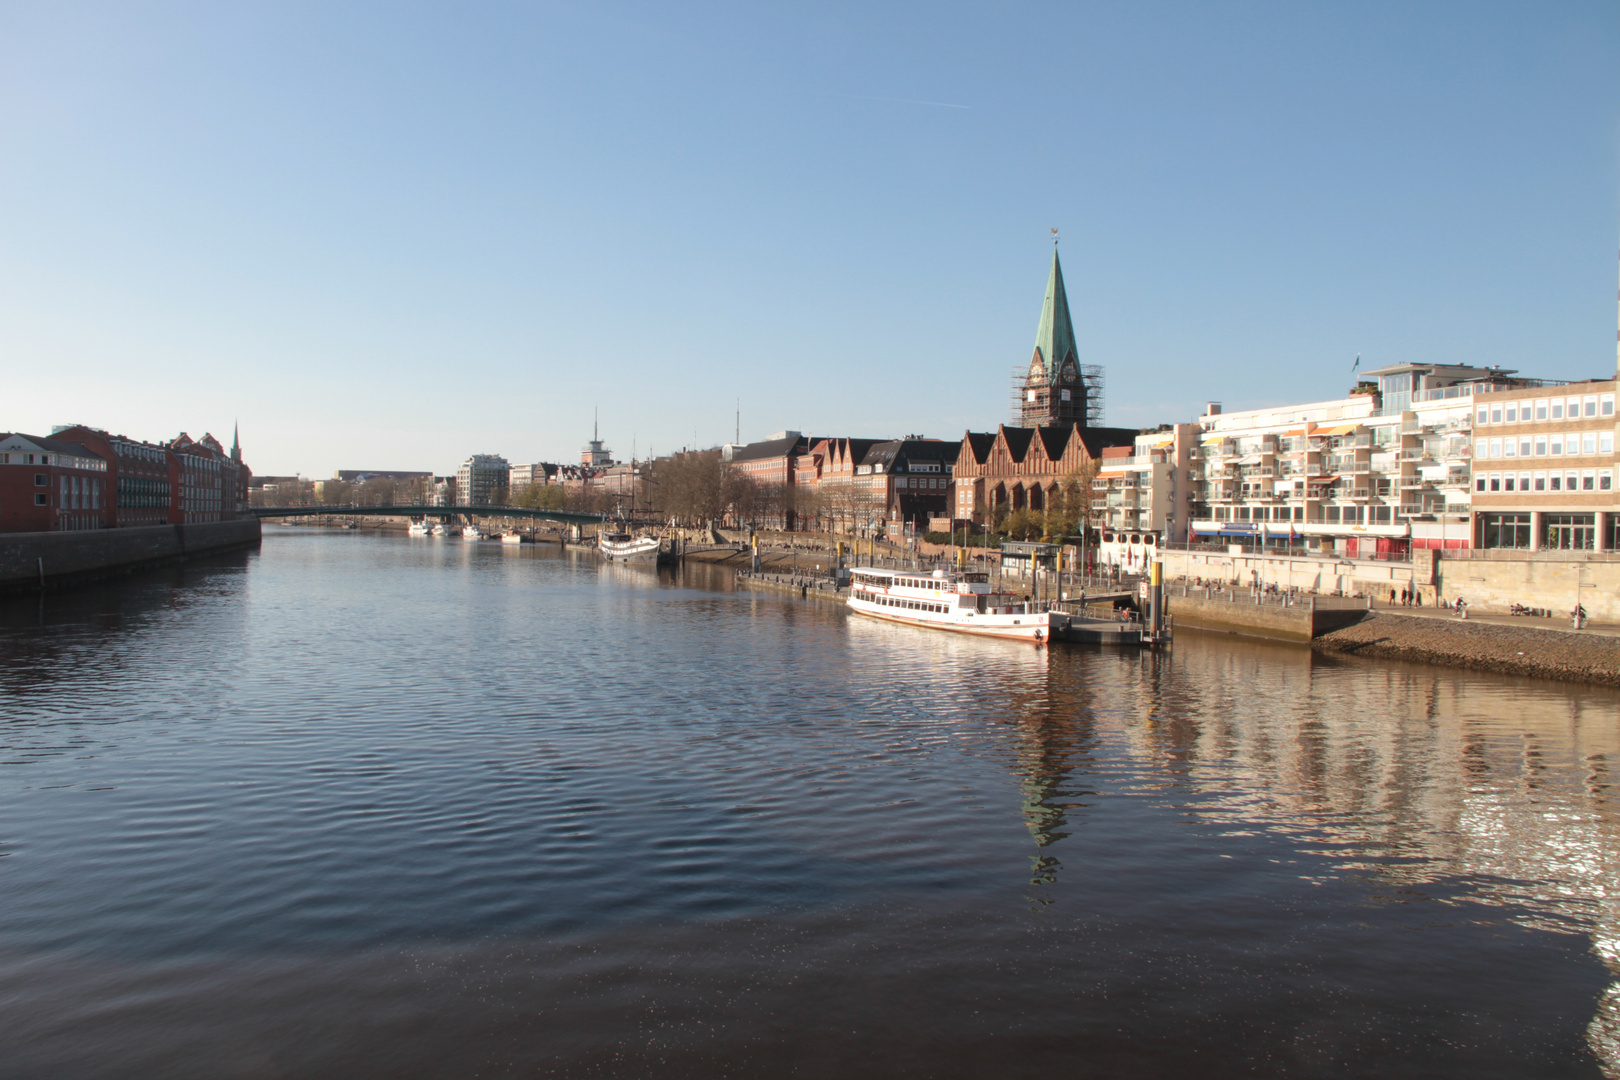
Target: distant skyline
392	236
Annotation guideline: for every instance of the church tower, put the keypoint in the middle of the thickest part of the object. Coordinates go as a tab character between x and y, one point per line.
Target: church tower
1054	389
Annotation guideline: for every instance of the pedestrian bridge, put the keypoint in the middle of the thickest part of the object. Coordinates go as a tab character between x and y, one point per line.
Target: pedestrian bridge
567	517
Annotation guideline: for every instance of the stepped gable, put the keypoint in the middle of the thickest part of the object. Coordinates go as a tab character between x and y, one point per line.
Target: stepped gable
1016	440
1055	439
978	444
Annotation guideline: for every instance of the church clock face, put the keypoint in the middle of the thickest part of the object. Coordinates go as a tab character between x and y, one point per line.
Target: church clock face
1070	373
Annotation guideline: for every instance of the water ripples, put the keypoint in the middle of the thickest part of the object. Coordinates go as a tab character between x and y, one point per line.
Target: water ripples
360	747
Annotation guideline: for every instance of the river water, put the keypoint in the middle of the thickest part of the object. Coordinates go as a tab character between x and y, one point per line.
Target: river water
355	805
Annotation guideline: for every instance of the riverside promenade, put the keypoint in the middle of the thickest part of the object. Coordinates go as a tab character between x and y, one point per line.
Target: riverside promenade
1507	645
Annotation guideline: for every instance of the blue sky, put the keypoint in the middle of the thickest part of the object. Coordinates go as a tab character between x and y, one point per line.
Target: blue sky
392	235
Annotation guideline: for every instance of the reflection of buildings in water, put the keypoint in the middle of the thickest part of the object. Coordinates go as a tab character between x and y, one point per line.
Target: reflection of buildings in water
1412	777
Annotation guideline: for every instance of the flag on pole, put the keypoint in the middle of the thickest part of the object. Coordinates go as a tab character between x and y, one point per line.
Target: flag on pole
1356	364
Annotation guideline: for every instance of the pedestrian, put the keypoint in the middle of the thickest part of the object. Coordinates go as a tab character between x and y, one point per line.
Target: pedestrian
1417	598
1392	598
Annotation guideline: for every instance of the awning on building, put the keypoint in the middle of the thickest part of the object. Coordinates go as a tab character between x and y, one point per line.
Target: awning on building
1321	479
1342	429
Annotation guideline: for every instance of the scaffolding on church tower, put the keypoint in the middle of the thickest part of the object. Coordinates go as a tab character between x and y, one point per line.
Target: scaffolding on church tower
1090	374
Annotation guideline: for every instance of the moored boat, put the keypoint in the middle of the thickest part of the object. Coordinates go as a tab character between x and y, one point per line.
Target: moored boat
471	532
624	547
966	602
511	537
420	528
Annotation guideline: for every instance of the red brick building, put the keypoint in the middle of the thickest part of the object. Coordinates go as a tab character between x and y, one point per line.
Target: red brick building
207	481
51	485
140	475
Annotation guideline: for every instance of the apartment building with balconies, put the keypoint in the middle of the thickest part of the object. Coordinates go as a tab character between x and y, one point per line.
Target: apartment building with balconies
1379	472
1144	493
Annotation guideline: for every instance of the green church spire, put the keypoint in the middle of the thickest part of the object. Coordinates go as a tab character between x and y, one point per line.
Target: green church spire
1054	341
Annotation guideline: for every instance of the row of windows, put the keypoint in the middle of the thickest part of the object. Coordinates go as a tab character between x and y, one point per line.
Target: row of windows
141	452
80	493
1519	412
1575	442
60	460
1586	480
1564	532
910	605
136	493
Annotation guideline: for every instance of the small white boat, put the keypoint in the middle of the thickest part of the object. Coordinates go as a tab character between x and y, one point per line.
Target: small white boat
510	537
471	532
441	529
420	528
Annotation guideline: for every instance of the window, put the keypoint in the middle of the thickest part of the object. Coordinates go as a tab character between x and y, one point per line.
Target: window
1512	416
1606	483
42	499
1524	481
1524	447
1481	448
1606	405
1555	481
1541	410
1507	482
1479	482
40	479
1570	480
1495	448
1589	443
1605	442
1509	446
1541	481
1496	415
1588	480
1541	446
1481	418
1558	410
1504	530
1591	406
1568	532
1557	444
1496	481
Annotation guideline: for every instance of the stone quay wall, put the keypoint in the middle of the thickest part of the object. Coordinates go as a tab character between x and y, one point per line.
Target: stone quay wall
1488	580
36	562
1237	613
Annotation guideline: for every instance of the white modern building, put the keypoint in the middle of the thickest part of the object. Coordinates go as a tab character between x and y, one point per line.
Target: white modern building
481	479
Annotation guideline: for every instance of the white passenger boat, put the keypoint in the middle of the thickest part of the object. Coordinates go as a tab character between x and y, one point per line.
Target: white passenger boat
471	532
420	528
623	547
441	529
510	537
963	601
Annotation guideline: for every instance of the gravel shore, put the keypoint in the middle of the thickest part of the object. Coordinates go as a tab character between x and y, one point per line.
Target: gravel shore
1509	650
